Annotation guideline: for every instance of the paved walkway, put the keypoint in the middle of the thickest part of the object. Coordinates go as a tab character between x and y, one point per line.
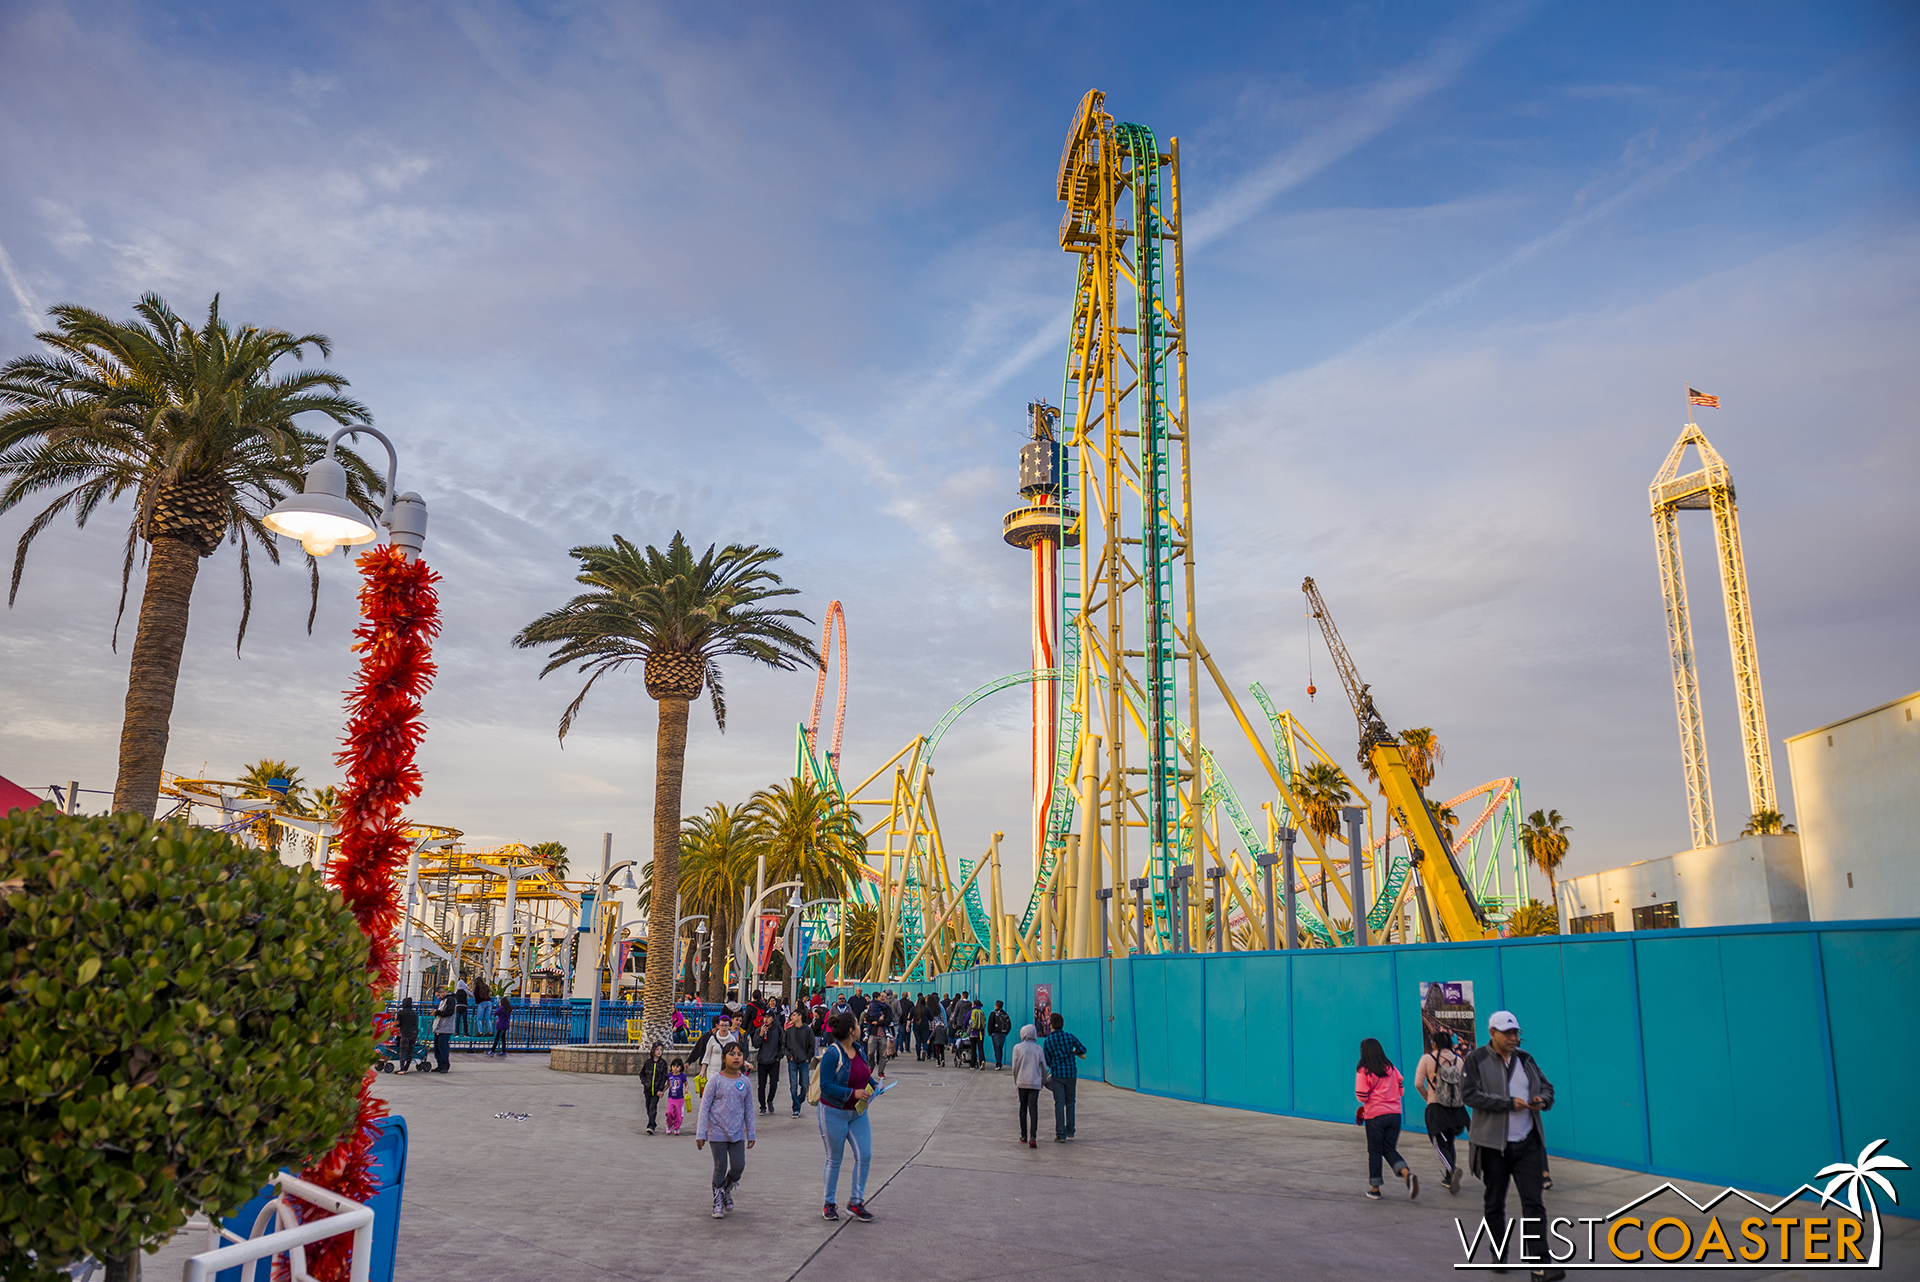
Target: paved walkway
1153	1191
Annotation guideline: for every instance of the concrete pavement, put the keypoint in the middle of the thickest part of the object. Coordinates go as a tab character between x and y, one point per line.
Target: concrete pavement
1153	1189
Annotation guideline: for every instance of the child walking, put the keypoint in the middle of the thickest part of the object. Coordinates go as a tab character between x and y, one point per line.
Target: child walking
676	1094
727	1123
1376	1084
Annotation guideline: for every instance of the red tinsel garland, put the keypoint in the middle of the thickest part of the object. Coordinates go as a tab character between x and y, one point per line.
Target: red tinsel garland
401	616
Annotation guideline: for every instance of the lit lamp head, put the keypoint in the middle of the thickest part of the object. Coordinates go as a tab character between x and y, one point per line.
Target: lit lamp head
320	516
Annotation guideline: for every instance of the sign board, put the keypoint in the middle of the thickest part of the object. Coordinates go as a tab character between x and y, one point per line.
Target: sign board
1447	1006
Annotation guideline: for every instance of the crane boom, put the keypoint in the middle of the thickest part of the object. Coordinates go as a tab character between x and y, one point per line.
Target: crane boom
1459	911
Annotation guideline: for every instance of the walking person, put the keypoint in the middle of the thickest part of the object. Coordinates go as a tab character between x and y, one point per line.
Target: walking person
799	1046
999	1024
937	1036
769	1044
727	1125
462	995
1377	1085
406	1029
977	1034
443	1024
502	1017
676	1094
653	1082
1438	1078
845	1086
1061	1049
1507	1092
876	1042
1029	1078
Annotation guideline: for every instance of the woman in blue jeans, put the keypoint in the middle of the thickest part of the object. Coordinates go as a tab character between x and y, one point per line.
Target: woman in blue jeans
845	1082
1376	1084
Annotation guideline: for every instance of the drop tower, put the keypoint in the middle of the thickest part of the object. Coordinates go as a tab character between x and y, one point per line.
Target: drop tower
1039	528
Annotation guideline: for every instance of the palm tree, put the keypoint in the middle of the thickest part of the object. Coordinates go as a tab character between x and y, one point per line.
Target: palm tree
1323	790
862	924
554	855
811	836
1533	918
197	427
1544	838
1860	1175
1766	823
1423	753
717	856
260	780
1445	819
326	804
678	617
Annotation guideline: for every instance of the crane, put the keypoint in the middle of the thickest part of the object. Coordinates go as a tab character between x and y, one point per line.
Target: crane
1461	916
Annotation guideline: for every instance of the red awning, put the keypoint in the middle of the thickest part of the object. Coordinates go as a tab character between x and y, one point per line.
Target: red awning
13	796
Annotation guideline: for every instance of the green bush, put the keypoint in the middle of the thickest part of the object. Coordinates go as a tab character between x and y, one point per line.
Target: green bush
180	1016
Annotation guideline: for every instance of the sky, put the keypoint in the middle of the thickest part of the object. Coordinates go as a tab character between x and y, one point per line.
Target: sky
788	275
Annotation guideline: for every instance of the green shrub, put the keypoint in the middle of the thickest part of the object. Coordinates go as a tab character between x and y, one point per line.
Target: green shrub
180	1016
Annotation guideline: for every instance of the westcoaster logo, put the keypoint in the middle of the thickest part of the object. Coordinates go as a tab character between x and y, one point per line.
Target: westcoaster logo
1637	1238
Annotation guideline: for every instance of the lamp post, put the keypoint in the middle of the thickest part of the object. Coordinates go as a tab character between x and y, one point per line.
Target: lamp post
593	971
700	930
322	519
794	952
751	933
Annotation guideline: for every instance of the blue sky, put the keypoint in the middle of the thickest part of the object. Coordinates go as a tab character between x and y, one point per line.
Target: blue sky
789	275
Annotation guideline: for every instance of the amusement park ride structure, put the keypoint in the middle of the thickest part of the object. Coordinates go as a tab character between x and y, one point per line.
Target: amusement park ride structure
1121	779
1131	811
1709	488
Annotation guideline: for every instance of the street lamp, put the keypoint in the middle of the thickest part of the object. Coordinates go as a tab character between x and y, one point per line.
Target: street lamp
699	930
322	519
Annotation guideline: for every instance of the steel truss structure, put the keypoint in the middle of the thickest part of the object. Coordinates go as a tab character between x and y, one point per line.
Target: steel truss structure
1709	488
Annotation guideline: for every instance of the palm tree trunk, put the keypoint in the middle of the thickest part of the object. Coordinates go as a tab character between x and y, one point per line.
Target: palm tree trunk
172	566
717	956
669	769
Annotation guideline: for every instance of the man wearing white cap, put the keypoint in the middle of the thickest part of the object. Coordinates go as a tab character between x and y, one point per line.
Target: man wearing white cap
1507	1092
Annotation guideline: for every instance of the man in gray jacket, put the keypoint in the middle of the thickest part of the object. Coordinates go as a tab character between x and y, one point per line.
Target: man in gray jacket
798	1042
1507	1092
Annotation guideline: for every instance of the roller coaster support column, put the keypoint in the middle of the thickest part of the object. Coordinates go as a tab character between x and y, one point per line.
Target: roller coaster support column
1357	870
1084	945
1267	859
1287	888
1067	915
1106	935
1180	935
1138	886
1214	874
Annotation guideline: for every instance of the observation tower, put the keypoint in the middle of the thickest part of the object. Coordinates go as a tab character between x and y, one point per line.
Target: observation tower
1040	528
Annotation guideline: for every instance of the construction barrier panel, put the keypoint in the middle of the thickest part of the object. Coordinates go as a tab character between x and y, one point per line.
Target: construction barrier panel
1743	1055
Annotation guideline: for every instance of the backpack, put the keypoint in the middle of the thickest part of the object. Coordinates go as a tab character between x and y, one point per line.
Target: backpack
1449	1072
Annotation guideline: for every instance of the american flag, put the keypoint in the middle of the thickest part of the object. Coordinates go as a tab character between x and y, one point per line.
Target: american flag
1695	397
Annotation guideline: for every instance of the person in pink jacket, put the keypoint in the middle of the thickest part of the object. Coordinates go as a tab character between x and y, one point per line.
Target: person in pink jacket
1376	1084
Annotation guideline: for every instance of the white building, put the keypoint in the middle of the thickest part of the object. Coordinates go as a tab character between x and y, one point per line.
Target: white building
1856	787
1736	883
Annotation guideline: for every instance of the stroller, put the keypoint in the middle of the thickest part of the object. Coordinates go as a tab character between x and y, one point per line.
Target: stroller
389	1050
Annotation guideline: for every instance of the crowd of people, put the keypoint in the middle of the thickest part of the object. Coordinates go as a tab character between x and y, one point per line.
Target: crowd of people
836	1055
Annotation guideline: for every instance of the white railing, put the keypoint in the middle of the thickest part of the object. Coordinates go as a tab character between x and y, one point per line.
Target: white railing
291	1237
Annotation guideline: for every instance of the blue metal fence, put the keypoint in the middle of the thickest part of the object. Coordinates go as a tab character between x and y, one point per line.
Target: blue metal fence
543	1024
1744	1055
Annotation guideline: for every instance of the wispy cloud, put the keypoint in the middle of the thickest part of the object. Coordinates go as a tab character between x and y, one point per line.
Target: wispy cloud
21	295
1384	103
1598	210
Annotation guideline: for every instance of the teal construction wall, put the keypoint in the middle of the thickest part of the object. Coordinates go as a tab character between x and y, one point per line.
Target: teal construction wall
1750	1056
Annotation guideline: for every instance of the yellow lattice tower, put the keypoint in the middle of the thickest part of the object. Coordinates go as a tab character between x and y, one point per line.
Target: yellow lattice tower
1709	489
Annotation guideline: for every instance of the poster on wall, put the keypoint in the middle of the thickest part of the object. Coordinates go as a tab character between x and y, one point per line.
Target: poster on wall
1446	1006
1042	1008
